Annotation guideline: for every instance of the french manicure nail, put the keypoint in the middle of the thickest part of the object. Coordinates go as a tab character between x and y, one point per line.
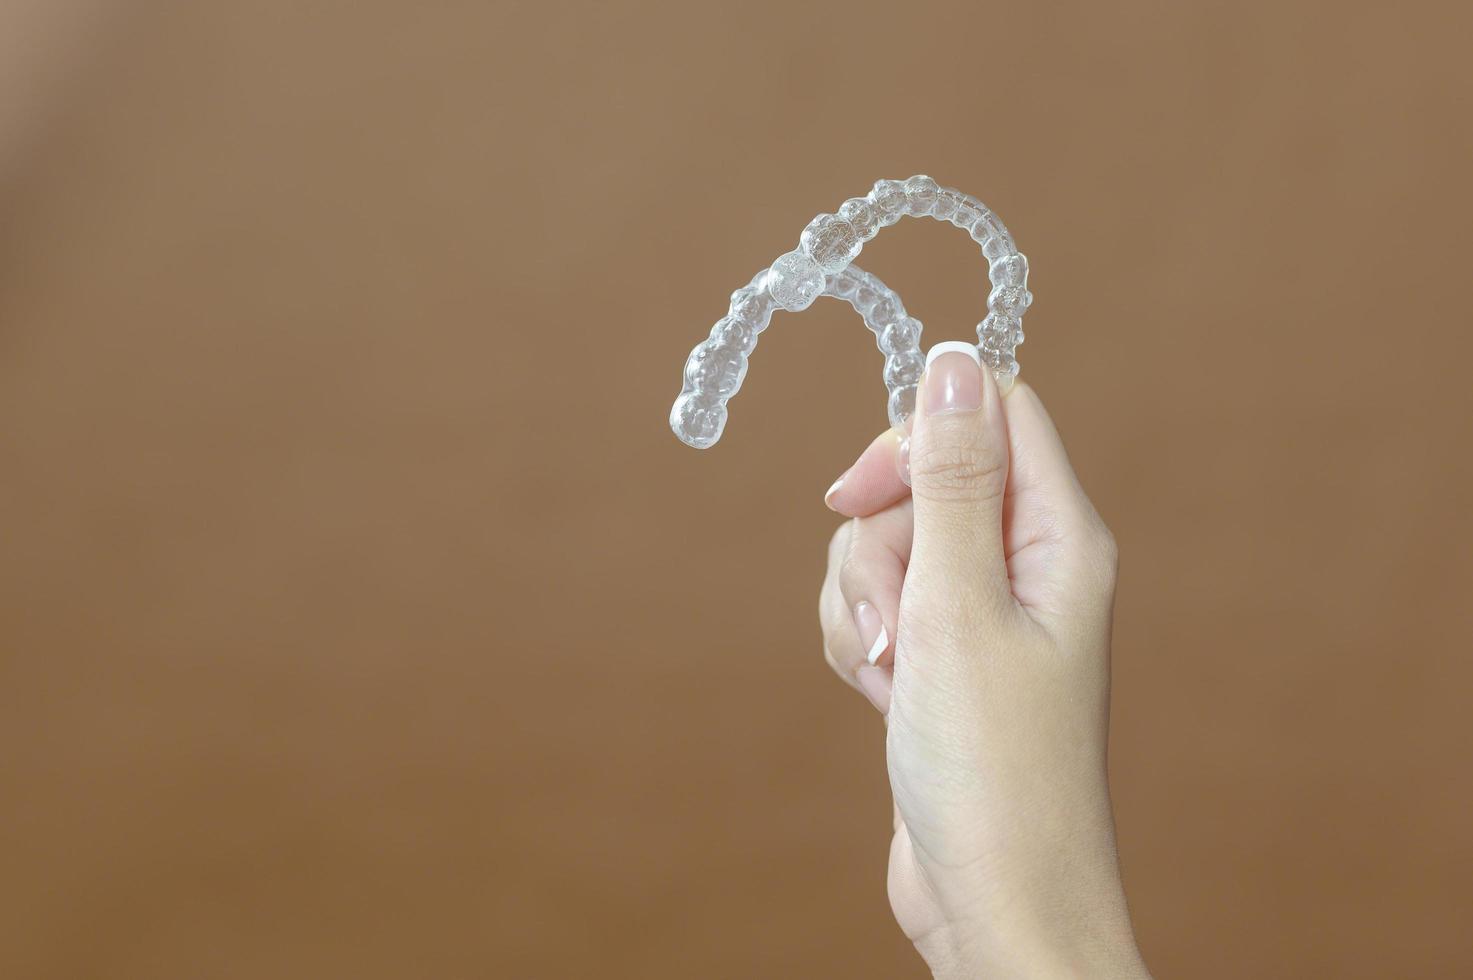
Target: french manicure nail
953	378
828	497
872	634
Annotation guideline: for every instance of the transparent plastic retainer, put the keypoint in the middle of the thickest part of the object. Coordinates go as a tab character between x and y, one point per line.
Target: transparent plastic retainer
822	265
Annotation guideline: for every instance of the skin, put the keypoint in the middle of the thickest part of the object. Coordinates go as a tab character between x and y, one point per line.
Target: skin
994	578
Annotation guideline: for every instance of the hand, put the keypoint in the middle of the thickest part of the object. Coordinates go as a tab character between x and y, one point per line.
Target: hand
974	612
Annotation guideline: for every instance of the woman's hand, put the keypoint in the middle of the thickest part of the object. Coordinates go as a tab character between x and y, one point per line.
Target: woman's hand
974	612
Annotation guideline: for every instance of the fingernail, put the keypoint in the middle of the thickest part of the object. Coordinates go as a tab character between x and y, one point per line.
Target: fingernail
872	635
902	460
953	378
828	497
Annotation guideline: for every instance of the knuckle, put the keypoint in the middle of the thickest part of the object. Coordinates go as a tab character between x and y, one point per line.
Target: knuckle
958	472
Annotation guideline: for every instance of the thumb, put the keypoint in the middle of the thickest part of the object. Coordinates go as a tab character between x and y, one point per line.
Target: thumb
959	471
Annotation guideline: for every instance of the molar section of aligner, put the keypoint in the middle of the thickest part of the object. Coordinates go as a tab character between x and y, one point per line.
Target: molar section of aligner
841	284
713	373
748	314
830	241
862	217
794	281
698	419
715	369
888	199
752	304
921	193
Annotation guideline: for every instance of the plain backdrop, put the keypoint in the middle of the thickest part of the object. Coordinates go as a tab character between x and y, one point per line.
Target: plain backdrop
360	616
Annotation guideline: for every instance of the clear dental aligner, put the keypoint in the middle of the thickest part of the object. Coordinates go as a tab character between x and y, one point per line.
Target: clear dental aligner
714	367
822	265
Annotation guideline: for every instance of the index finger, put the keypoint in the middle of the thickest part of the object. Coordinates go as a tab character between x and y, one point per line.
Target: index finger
873	483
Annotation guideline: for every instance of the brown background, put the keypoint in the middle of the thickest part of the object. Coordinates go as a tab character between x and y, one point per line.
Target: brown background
361	616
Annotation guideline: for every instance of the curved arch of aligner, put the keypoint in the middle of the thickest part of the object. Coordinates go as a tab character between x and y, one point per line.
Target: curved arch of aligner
822	265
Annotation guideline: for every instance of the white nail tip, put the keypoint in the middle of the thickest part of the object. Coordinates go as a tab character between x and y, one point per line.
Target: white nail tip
953	347
881	642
